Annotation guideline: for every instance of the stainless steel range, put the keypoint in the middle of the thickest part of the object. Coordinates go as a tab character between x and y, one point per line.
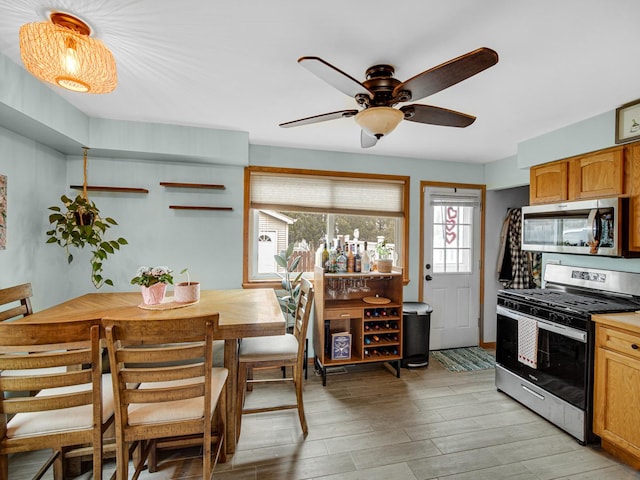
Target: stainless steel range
545	341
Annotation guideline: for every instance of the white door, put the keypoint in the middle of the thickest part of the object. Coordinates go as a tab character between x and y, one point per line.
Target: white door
452	265
267	246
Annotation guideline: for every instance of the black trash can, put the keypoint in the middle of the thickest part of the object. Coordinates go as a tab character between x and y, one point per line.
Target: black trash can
416	326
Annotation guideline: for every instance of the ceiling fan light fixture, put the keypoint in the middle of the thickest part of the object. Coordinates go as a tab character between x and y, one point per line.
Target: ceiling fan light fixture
61	52
379	121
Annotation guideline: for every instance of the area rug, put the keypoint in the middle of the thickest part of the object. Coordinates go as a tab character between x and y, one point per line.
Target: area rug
464	359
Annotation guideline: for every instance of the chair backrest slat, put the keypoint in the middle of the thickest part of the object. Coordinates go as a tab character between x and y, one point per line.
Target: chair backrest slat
18	293
26	383
149	374
44	359
164	394
166	353
15	405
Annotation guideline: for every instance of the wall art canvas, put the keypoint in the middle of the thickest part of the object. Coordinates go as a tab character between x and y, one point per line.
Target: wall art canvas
3	212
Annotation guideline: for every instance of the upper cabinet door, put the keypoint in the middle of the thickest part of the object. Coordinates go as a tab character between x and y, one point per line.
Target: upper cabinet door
597	175
548	183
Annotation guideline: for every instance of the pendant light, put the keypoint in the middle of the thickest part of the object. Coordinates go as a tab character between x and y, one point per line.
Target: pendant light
62	52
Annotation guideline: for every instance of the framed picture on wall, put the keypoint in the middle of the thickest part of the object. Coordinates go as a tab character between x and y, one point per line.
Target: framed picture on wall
628	122
3	212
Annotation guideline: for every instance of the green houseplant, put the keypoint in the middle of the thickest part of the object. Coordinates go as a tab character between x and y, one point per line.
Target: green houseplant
384	260
290	281
80	225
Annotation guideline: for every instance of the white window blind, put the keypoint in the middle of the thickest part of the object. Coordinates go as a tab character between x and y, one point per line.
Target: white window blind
327	194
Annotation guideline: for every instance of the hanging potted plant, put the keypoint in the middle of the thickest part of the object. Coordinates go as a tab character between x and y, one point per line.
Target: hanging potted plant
80	225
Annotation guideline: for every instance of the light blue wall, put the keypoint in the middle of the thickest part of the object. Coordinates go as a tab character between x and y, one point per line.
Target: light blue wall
34	176
586	136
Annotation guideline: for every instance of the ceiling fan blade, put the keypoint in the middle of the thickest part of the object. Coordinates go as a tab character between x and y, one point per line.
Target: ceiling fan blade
436	116
366	140
449	73
320	118
333	76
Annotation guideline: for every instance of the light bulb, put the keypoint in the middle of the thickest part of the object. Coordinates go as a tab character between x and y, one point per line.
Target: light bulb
71	61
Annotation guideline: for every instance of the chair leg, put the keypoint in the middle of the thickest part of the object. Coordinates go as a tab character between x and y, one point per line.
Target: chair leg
221	421
4	467
242	385
122	460
58	466
297	376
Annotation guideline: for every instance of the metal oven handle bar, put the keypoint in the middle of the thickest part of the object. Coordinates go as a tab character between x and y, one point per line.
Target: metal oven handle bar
535	394
545	325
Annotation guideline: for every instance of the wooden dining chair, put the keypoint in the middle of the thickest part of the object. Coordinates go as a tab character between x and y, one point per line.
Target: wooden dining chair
280	351
72	408
166	389
15	302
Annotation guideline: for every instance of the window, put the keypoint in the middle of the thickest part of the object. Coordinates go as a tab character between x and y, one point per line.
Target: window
453	232
304	207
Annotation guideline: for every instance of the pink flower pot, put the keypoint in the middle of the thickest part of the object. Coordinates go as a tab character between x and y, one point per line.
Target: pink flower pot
154	294
184	292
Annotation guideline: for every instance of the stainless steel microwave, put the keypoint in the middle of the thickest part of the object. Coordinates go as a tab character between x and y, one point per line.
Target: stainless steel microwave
589	227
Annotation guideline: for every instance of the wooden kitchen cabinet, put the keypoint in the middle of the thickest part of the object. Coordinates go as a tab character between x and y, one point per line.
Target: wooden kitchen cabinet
633	178
548	183
375	330
617	385
598	174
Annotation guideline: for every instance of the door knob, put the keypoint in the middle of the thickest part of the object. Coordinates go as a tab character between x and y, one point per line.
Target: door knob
428	278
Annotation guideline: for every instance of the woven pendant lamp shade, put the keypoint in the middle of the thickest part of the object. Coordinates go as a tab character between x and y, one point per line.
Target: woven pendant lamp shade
62	52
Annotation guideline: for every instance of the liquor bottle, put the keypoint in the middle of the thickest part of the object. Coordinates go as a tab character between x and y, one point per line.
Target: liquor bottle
325	258
333	258
366	261
350	259
357	261
341	263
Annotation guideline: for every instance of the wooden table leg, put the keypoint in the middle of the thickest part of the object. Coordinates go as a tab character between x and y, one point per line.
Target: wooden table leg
231	363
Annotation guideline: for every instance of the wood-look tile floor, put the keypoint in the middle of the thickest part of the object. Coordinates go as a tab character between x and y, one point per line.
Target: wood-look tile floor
368	424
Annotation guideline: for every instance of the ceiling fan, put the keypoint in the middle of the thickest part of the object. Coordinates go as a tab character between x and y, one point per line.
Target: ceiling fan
380	92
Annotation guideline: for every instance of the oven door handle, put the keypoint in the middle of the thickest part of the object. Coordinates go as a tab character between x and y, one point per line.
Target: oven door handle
562	330
545	325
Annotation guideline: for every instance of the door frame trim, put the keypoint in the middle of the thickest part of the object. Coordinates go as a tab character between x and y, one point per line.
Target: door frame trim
483	191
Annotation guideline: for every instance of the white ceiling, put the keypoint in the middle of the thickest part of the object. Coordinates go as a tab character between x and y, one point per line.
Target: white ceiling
233	65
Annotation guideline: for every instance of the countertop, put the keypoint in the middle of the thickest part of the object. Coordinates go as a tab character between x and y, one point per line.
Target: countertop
628	320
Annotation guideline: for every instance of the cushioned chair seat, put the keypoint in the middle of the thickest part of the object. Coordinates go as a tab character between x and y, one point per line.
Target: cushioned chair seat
39	423
149	413
277	347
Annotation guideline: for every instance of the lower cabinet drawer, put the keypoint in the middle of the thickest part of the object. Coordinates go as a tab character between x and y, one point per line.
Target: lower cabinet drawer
619	341
342	313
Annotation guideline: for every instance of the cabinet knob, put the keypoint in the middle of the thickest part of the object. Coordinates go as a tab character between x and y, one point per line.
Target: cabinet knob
634	346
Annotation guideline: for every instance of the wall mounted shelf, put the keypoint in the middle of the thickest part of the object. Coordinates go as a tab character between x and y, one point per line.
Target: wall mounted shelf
192	185
96	188
196	207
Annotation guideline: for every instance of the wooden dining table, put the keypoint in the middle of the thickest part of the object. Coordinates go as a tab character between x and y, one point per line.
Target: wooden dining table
243	313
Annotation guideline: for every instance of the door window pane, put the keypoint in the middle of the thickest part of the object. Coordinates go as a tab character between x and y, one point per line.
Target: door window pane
452	238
